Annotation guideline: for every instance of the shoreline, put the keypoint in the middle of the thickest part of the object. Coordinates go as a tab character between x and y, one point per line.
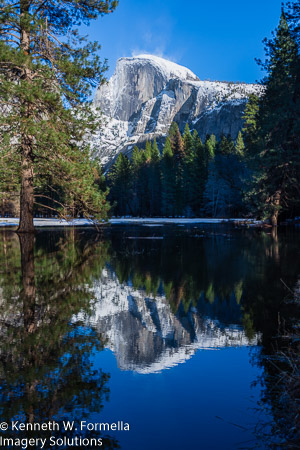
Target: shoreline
52	222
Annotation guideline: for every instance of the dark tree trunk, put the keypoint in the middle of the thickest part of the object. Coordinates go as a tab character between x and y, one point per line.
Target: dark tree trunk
30	321
276	204
26	196
28	281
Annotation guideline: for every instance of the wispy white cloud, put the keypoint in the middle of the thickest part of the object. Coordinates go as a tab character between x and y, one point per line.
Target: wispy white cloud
156	52
155	38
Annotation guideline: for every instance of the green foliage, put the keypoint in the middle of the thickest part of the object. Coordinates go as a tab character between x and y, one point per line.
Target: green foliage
120	183
239	145
191	173
210	146
272	127
226	146
250	120
178	149
46	73
147	152
187	141
167	180
200	173
188	179
155	155
154	180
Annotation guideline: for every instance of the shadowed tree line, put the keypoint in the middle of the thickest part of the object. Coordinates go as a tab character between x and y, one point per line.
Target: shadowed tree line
189	178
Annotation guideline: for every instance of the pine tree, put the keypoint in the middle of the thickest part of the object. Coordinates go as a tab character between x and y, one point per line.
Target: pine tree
190	173
276	148
210	146
177	143
144	180
136	163
226	146
250	122
206	154
177	146
155	155
239	145
199	173
46	71
148	152
187	140
168	181
154	180
120	183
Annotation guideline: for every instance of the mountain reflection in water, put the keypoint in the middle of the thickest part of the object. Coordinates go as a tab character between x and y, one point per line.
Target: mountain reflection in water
67	295
147	336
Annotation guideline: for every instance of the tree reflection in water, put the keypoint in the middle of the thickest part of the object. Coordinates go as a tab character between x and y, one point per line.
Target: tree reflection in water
46	369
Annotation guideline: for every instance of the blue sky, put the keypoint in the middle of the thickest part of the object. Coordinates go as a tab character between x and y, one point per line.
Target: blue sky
216	39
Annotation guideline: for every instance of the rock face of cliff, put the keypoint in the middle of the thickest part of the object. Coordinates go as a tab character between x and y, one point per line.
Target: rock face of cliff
146	93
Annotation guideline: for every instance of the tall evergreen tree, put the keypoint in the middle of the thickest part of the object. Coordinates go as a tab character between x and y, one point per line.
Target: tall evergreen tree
200	172
168	180
187	140
155	155
210	146
239	145
145	184
136	163
46	71
190	173
250	122
276	145
148	152
120	182
154	180
179	159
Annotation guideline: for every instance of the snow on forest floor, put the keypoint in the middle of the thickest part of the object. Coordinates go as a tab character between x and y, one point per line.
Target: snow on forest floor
53	222
176	220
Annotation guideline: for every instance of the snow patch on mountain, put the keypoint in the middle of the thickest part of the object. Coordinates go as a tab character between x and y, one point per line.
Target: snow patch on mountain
168	68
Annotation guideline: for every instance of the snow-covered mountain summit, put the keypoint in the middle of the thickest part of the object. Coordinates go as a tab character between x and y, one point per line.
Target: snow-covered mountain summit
135	81
169	68
146	93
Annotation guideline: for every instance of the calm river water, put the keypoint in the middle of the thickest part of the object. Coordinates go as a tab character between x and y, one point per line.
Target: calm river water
161	330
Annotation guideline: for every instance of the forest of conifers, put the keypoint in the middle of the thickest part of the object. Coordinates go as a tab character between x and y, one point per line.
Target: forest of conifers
190	178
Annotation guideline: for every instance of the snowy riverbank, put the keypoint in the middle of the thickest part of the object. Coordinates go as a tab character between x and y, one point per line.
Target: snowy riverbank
52	222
